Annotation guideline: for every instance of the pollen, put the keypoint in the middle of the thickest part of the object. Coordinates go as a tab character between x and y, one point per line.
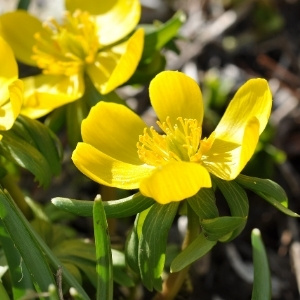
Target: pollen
176	142
68	47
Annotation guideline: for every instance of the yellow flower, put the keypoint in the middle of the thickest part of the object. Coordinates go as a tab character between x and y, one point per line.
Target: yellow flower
91	41
119	150
11	88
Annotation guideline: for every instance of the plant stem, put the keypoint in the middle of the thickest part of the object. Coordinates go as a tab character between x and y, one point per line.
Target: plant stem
174	282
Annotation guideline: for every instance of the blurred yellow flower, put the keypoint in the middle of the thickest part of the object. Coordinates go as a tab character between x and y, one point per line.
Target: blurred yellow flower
11	88
119	150
91	41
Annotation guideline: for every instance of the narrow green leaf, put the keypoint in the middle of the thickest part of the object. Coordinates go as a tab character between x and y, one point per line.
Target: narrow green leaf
235	196
262	278
45	140
237	200
204	204
121	208
26	156
103	253
21	234
20	277
221	228
153	241
3	293
132	246
21	231
268	190
198	248
158	35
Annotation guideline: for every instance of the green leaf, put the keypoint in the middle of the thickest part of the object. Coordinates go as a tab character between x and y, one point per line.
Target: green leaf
45	140
237	201
103	253
26	156
20	277
21	234
152	243
24	237
268	190
221	228
235	196
132	243
204	204
160	34
121	208
3	293
262	278
34	147
198	248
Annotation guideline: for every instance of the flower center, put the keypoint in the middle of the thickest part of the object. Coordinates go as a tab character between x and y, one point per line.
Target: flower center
67	48
179	142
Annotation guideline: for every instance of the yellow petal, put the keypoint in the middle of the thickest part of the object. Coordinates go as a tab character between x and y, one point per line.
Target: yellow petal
8	70
113	129
115	66
226	159
10	111
174	94
175	181
107	170
253	99
115	18
44	93
18	29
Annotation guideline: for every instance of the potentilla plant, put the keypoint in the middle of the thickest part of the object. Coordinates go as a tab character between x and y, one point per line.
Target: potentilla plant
179	169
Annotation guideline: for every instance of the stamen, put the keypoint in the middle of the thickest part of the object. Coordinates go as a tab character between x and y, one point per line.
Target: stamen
180	141
66	48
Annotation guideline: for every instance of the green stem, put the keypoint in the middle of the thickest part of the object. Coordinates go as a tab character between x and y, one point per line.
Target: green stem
174	282
23	4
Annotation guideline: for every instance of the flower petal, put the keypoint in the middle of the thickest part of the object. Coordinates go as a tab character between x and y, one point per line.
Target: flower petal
44	93
115	18
175	181
115	66
174	94
8	70
113	129
107	170
226	159
10	111
253	99
18	29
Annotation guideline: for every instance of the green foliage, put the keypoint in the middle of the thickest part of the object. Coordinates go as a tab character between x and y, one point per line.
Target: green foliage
103	253
262	278
121	208
34	147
